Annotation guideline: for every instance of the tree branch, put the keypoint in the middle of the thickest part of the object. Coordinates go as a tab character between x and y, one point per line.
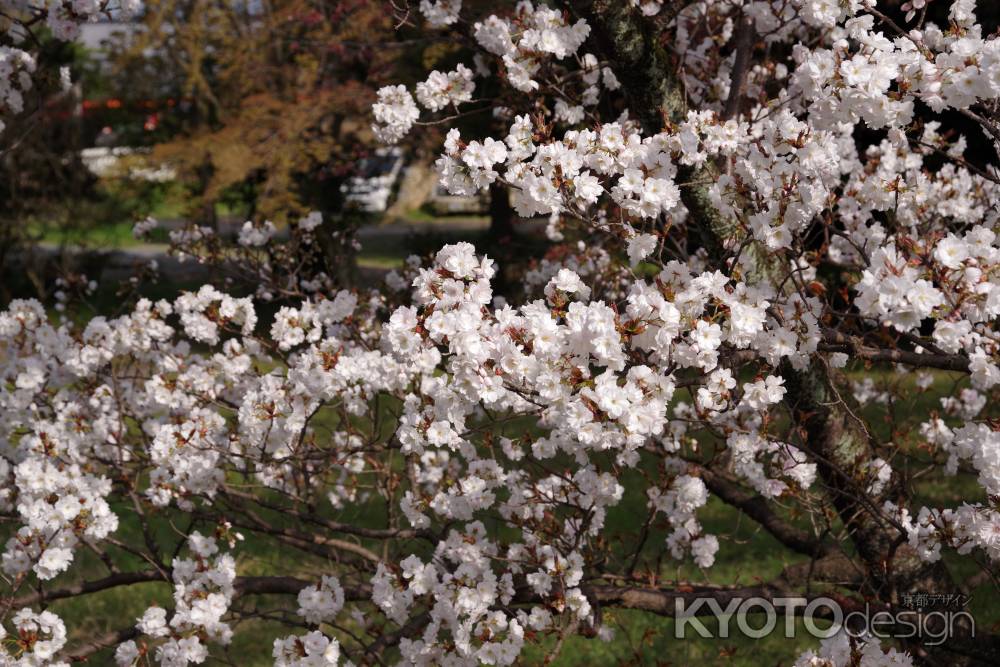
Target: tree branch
85	587
839	342
107	640
757	508
745	38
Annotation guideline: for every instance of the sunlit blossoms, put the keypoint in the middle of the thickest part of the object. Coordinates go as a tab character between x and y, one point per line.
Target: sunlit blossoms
395	113
763	312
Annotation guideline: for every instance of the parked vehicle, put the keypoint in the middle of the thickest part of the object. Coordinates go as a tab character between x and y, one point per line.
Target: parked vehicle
442	202
123	161
373	188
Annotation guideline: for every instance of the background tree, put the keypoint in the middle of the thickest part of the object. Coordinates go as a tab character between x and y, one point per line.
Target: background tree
276	93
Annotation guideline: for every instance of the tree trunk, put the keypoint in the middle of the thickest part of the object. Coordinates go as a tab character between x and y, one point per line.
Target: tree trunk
500	236
339	256
838	442
501	213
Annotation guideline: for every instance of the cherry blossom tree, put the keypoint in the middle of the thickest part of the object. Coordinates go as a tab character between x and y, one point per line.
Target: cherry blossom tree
742	303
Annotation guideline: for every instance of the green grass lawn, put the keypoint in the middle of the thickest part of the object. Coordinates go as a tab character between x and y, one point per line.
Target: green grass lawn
747	555
111	236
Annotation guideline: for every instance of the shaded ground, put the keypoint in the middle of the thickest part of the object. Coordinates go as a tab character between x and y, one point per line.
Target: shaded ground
384	246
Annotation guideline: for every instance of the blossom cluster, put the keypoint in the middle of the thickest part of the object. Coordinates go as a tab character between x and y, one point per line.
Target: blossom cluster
38	638
16	68
203	591
524	46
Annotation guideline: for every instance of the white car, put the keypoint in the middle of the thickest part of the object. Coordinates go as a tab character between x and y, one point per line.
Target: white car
443	202
106	162
374	185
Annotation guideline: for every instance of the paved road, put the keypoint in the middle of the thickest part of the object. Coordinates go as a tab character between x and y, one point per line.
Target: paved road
120	264
395	226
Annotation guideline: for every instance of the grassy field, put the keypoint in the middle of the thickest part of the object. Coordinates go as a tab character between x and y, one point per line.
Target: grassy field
747	555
